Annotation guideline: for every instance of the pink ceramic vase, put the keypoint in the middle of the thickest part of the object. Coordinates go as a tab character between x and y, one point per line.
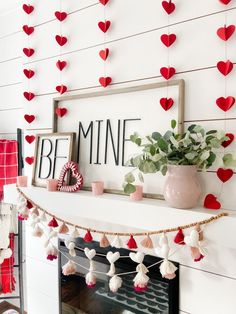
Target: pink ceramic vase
182	188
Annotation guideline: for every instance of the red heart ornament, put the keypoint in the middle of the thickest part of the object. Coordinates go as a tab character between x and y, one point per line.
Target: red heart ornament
226	32
104	26
167	73
105	81
104	53
28	8
61	40
211	202
61	16
29	160
166	103
104	2
61	89
29	138
29	118
60	112
29	95
225	67
28	29
225	103
168	6
168	40
28	73
28	52
225	1
70	166
224	174
229	141
61	64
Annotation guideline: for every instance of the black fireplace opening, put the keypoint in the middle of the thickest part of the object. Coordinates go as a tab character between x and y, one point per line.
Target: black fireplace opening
161	297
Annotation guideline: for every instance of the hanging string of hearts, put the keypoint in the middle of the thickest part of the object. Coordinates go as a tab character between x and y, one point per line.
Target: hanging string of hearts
105	52
168	40
225	34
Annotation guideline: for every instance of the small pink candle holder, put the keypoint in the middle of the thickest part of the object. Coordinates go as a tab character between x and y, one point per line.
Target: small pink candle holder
138	194
97	187
52	185
22	181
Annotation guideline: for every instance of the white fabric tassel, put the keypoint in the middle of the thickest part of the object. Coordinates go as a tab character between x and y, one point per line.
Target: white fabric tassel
141	279
69	268
51	252
43	217
90	280
168	269
115	283
112	270
71	248
75	233
117	243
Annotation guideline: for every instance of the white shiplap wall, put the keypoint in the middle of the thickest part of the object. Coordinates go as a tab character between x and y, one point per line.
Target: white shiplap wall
137	53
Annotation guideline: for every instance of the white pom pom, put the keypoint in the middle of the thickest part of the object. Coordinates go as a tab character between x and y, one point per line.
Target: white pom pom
115	283
69	268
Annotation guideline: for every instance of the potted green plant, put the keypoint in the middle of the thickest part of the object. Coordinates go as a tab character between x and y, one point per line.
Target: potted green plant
180	155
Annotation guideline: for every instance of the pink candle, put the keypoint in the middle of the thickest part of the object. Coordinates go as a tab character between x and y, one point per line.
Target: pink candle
97	187
52	185
138	194
22	181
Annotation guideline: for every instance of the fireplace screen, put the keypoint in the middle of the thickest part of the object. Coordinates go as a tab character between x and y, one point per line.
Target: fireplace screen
161	297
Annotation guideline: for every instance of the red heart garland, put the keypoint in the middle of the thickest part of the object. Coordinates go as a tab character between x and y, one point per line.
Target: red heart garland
104	26
29	118
28	52
61	16
224	174
104	2
229	141
61	64
166	103
225	1
226	32
167	73
28	29
29	73
28	8
168	6
61	89
29	160
29	95
225	103
225	67
61	40
60	112
104	53
29	138
105	81
211	202
168	40
70	166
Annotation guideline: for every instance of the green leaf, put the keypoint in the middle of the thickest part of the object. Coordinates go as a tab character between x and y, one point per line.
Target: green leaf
156	136
129	177
140	176
164	170
191	128
163	144
148	167
168	135
152	150
191	155
211	159
173	124
229	160
138	141
197	129
205	155
211	132
129	188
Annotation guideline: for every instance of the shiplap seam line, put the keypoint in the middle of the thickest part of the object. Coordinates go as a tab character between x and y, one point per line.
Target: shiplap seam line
9	60
11	84
10	109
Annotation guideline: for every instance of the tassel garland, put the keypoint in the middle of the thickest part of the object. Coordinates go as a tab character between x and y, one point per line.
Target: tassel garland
117	242
147	242
104	242
53	223
132	243
196	248
52	252
34	211
69	268
63	229
168	269
88	237
37	231
141	279
29	204
43	217
179	238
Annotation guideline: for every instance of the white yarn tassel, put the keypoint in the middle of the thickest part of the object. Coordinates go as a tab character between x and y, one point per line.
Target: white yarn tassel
37	231
197	249
112	270
52	234
71	248
115	283
69	268
75	233
117	243
141	279
34	220
43	217
168	269
90	280
51	252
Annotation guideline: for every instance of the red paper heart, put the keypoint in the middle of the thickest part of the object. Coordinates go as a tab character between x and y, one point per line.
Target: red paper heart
29	138
225	67
225	1
211	202
28	29
229	141
61	40
29	95
60	112
29	118
29	160
167	73
28	51
61	16
28	8
104	53
70	166
105	81
224	174
104	26
104	2
168	40
168	6
226	32
166	103
61	89
61	64
225	103
28	73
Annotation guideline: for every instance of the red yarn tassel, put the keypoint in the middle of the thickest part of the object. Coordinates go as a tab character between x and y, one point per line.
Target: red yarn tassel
88	237
53	223
29	204
132	243
179	238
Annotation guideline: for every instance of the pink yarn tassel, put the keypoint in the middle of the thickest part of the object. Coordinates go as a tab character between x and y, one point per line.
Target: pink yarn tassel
104	242
147	242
